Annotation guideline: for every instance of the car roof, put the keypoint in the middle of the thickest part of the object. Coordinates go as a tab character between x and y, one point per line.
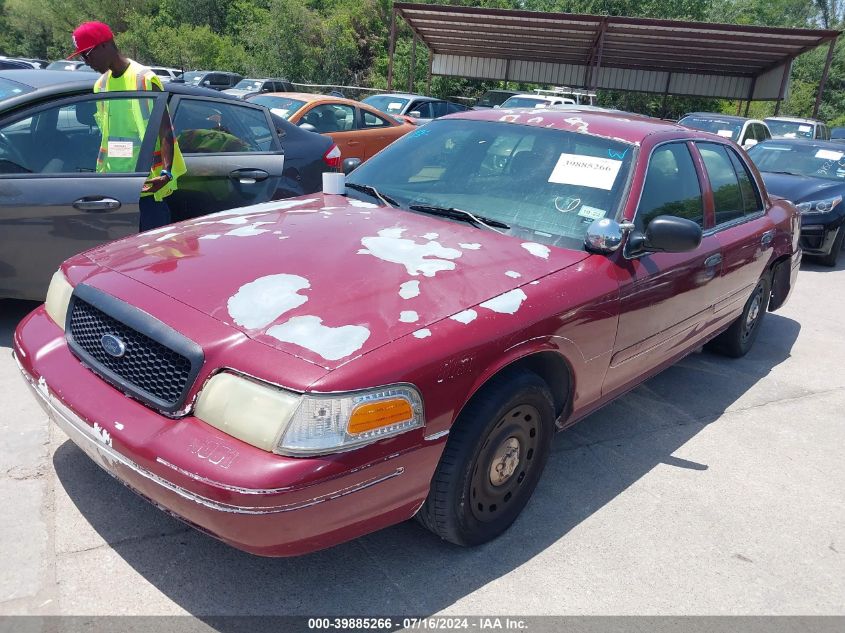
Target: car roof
534	95
718	115
625	127
310	97
809	142
65	83
35	78
791	119
404	95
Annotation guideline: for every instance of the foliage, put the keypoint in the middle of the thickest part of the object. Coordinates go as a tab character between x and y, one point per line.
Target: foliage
346	41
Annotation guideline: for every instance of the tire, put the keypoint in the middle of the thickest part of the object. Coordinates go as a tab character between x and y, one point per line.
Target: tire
738	339
831	258
493	460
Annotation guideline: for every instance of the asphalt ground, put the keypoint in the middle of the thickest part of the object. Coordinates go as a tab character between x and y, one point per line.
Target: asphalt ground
717	487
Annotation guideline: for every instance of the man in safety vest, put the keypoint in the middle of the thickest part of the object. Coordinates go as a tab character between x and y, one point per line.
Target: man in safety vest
123	122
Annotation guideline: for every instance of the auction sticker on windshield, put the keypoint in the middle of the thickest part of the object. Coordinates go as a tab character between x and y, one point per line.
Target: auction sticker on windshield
586	171
826	154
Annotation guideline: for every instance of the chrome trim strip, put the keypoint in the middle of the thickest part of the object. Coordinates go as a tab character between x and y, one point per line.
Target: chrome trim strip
436	436
100	451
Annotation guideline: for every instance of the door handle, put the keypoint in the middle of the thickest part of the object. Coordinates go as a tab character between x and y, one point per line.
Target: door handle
91	204
248	176
767	238
713	260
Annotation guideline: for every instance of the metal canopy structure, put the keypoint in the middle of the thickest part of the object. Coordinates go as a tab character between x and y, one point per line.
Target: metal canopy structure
607	52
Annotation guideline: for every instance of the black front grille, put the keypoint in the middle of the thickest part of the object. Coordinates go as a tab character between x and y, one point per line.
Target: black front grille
155	373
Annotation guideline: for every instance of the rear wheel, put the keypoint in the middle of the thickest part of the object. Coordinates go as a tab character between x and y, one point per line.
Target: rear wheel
831	258
738	339
492	461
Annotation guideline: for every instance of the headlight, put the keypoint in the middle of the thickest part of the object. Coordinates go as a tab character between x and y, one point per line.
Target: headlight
819	206
58	298
293	424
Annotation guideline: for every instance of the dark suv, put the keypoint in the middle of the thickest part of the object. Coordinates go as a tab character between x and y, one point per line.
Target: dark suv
214	79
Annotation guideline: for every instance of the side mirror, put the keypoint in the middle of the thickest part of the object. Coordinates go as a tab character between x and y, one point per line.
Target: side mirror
307	126
666	234
415	113
496	107
605	235
749	142
349	164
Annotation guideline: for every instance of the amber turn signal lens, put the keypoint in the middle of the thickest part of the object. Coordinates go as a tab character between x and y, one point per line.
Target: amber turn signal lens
374	415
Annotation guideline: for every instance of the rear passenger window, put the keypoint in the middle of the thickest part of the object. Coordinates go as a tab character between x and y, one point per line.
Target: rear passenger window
727	198
751	201
371	120
671	187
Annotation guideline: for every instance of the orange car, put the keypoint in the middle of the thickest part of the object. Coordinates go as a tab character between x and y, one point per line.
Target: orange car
360	131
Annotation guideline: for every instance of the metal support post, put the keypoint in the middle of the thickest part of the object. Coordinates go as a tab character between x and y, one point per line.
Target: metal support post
391	49
824	78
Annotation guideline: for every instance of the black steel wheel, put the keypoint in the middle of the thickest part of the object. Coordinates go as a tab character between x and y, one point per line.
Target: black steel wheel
738	339
492	461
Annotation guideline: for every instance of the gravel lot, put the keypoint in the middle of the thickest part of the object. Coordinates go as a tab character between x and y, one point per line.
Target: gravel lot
717	487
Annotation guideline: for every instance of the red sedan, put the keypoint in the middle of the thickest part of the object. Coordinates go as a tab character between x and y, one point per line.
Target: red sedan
295	374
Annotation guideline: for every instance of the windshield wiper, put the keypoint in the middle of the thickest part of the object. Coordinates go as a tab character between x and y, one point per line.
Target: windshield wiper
459	214
788	173
375	193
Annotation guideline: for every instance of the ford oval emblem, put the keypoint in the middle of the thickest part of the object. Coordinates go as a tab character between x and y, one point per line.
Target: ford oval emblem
113	345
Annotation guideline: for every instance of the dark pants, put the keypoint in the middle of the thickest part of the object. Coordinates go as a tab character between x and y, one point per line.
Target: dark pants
153	214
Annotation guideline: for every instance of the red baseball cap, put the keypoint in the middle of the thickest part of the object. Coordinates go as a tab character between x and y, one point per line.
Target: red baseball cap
90	34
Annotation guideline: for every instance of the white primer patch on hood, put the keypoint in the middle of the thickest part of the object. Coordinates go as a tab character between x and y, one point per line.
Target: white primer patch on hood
163	229
507	303
391	247
212	236
248	231
536	119
470	247
332	343
424	333
361	204
263	207
409	289
260	302
538	250
431	236
102	434
118	426
467	316
409	316
167	237
513	274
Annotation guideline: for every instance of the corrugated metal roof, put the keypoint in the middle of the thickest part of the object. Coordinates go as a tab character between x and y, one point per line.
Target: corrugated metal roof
582	43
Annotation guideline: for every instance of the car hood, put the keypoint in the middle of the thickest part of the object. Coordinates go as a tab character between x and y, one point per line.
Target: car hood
327	278
798	189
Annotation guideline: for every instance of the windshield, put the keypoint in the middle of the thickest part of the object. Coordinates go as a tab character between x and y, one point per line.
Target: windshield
280	106
193	78
722	127
249	84
801	159
525	102
390	105
789	129
12	88
547	185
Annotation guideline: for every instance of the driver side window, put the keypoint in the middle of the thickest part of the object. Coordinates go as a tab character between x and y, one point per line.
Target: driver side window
671	187
68	138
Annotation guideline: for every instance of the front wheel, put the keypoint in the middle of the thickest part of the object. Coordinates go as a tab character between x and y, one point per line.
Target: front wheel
492	461
738	339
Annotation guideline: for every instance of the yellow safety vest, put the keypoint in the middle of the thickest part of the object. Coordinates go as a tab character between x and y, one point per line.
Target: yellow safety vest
123	124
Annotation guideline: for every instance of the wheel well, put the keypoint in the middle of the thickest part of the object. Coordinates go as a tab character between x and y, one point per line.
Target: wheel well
552	368
778	281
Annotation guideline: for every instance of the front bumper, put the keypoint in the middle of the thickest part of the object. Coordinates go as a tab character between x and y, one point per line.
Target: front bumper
253	500
818	238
